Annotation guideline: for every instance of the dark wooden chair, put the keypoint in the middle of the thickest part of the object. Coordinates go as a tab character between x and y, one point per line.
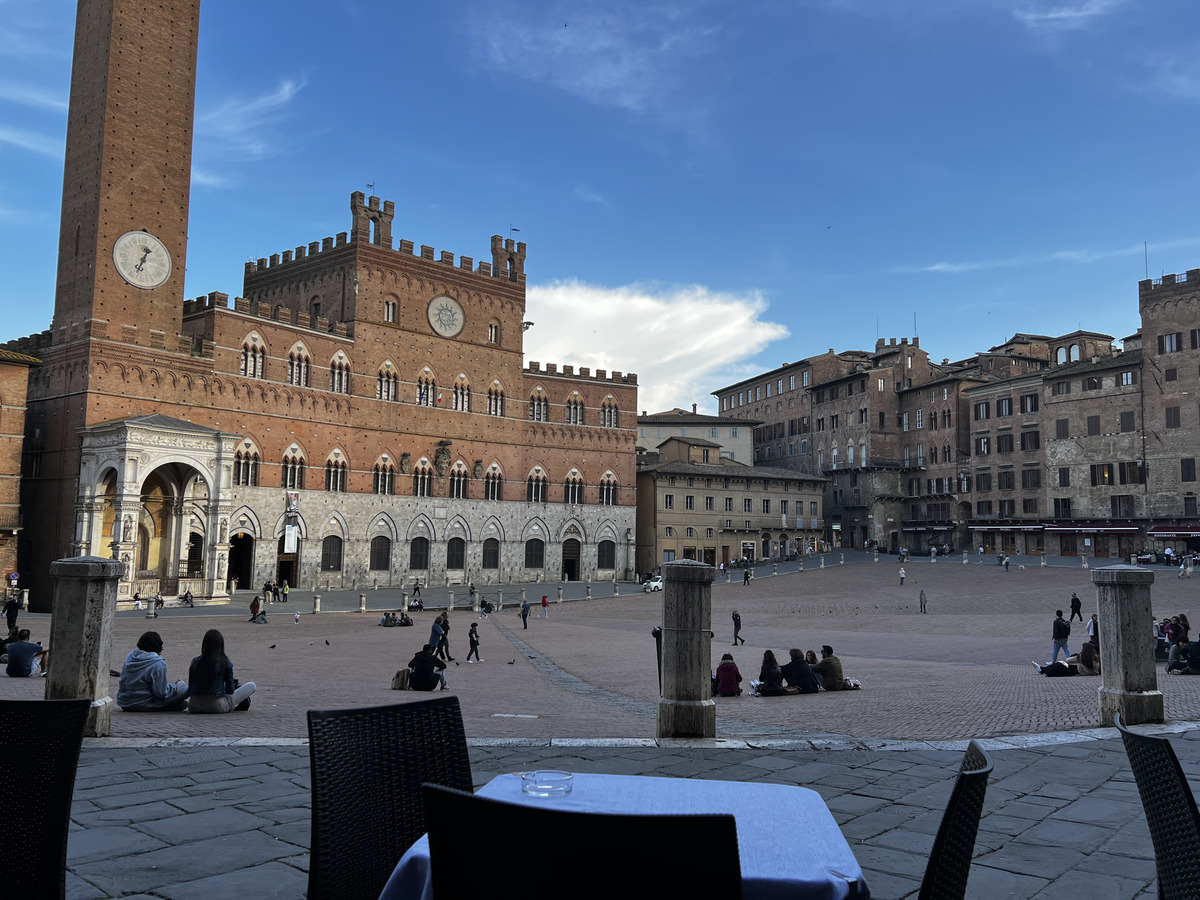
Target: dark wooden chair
41	741
950	862
610	855
367	768
1170	811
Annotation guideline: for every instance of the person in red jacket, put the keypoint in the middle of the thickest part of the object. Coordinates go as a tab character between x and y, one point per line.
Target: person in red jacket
728	677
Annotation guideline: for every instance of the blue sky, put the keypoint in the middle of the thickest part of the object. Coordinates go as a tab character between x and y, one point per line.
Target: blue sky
707	189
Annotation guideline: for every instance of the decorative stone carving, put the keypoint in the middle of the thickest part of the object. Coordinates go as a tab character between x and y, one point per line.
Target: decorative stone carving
478	471
441	460
224	530
406	463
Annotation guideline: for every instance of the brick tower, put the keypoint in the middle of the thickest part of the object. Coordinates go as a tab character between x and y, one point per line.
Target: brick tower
127	173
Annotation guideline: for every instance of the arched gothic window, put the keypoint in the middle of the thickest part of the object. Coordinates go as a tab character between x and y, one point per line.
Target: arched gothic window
331	554
339	377
245	468
422	482
387	385
608	414
462	395
493	486
299	368
535	489
495	401
293	472
539	409
335	476
574	411
573	489
381	553
608	491
385	479
254	361
426	390
458	484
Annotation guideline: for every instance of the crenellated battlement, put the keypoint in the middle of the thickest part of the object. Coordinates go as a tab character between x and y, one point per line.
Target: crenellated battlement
585	374
372	224
882	344
1164	283
31	345
282	314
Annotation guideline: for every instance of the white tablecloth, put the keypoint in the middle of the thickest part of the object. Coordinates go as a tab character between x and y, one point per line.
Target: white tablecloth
789	844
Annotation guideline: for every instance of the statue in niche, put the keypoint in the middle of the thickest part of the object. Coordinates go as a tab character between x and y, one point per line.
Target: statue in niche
478	471
441	460
126	529
224	530
220	565
406	463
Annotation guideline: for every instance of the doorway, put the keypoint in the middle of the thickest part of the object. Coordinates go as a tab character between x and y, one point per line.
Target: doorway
241	560
287	565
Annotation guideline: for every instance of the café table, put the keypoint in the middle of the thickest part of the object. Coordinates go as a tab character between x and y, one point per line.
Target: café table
788	842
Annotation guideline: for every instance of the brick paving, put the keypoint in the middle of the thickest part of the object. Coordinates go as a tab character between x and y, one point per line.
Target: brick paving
179	806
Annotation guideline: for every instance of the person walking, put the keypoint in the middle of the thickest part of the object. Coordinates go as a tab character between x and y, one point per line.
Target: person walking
473	638
525	614
10	612
1006	564
902	576
922	601
285	590
746	575
545	613
1093	630
1076	607
737	628
417	590
444	648
1060	631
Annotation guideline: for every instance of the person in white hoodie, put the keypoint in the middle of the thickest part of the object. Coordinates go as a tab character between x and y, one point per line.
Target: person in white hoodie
144	686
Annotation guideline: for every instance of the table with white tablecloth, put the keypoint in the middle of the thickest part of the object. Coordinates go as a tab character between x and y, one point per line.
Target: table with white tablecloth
788	842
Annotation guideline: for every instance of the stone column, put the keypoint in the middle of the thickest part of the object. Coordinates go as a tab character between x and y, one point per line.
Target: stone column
1129	677
686	707
81	635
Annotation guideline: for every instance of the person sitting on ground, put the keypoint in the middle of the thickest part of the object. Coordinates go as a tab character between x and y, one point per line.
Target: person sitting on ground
416	605
143	686
1181	657
404	621
810	658
255	607
829	670
426	670
1182	628
770	678
25	658
211	685
799	674
728	677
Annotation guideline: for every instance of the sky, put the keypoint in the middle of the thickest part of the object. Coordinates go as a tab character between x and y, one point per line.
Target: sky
707	189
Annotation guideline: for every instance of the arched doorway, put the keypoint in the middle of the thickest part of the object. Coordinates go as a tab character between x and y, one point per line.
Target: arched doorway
241	561
287	565
570	560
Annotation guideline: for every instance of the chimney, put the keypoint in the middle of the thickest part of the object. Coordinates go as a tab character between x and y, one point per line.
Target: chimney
693	409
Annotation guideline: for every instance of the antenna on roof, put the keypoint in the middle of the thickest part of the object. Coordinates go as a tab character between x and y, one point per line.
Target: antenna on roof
915	325
1146	251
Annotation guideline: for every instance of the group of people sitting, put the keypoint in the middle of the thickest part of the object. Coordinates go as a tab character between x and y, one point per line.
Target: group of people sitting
802	674
1085	662
210	688
1183	657
396	619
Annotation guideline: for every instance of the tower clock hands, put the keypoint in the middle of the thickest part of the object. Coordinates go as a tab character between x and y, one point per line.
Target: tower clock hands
145	253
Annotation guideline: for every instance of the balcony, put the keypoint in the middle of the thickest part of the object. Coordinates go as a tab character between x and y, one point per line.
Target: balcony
10	519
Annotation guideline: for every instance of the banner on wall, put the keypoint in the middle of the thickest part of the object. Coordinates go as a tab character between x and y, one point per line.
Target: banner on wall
290	537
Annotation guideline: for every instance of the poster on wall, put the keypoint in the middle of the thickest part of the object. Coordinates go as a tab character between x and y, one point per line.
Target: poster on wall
290	537
291	504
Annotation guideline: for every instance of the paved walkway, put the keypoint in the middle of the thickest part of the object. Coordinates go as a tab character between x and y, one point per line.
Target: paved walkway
177	805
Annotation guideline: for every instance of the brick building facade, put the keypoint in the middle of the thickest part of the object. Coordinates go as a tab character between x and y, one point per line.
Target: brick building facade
362	415
14	386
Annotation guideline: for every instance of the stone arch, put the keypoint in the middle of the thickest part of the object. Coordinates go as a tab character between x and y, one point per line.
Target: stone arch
252	525
492	528
572	528
382	524
458	526
535	527
421	526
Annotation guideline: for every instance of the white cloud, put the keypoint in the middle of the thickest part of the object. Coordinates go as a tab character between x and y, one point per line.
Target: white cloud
630	56
240	127
204	178
31	95
587	195
1066	18
1040	259
682	341
32	141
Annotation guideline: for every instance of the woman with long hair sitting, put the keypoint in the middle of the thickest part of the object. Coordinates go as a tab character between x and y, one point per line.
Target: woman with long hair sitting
211	686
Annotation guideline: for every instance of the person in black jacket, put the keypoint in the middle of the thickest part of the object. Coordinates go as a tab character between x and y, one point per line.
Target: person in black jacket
1060	631
799	674
426	672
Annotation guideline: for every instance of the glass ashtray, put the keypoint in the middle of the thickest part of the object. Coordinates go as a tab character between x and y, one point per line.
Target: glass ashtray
546	783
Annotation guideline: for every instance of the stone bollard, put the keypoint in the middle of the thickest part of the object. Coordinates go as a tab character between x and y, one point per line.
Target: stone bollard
1127	670
728	577
686	708
616	588
841	559
589	591
1043	560
1085	565
933	555
376	587
81	635
559	600
316	603
404	600
362	603
450	601
876	556
964	557
499	600
774	569
822	563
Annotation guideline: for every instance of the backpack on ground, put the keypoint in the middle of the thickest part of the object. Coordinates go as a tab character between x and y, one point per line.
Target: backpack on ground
400	680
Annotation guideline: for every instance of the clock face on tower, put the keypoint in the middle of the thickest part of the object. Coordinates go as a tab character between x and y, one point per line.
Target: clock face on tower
142	259
446	316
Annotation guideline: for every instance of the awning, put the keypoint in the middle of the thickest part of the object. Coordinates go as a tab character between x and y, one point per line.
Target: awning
927	528
1007	528
1094	529
1175	532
